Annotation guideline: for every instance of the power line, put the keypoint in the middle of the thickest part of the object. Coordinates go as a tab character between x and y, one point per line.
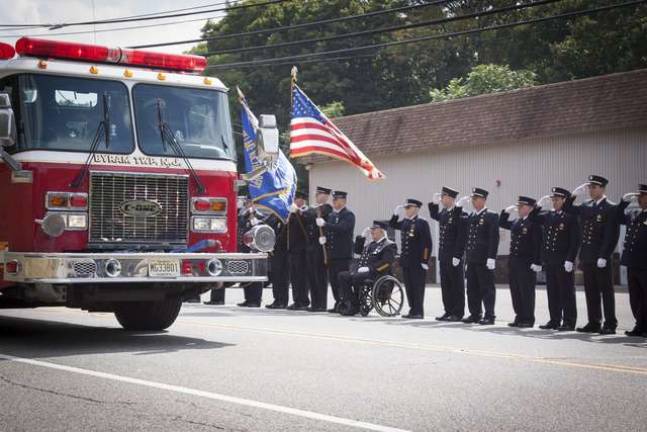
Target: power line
386	29
427	38
295	26
146	18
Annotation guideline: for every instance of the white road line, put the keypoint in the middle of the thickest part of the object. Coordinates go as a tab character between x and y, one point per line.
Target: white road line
205	394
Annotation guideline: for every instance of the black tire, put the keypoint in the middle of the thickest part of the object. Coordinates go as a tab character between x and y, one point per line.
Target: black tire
388	296
148	316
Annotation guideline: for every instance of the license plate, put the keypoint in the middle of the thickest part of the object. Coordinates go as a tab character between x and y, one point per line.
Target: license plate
164	268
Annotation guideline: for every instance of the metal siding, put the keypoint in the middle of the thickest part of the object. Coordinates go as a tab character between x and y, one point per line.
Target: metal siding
528	168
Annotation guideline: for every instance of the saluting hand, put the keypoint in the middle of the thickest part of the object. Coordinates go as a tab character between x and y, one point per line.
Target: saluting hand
631	196
436	198
462	201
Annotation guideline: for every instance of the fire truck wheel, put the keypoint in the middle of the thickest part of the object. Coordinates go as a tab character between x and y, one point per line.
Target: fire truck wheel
147	316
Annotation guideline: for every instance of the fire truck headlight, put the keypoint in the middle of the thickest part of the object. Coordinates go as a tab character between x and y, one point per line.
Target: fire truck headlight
54	224
77	221
209	224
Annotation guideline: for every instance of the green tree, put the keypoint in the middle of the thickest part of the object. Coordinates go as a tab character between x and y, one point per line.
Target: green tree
483	79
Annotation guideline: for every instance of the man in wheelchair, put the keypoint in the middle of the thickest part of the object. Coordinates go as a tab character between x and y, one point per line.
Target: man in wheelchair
376	260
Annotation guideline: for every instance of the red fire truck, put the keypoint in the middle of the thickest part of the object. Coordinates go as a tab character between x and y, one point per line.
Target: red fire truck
118	182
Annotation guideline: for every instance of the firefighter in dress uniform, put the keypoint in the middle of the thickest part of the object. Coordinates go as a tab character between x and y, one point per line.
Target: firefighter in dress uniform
248	218
279	264
524	260
376	260
297	246
316	253
600	232
634	256
338	238
480	256
452	223
561	241
414	258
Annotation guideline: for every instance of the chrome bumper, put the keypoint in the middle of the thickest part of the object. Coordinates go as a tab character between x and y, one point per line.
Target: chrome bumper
79	268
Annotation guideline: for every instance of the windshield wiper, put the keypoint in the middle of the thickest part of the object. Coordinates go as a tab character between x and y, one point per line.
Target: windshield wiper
103	130
166	134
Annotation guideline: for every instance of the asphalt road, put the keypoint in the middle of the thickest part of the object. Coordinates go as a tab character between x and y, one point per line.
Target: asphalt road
231	369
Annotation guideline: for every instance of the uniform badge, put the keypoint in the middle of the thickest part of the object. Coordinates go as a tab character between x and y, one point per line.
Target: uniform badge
481	221
524	230
645	222
598	218
561	227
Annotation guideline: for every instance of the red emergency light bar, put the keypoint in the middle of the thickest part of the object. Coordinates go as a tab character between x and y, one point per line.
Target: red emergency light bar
33	47
6	51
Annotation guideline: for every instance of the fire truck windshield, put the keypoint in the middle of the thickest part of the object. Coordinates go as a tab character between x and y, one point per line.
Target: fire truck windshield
198	119
63	113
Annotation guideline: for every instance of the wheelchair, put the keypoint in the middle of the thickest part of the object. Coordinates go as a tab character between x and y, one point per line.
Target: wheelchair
385	295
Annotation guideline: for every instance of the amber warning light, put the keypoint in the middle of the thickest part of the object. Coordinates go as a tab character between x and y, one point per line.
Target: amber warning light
43	48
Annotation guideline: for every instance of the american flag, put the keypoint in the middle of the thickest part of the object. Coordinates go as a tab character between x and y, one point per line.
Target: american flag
312	132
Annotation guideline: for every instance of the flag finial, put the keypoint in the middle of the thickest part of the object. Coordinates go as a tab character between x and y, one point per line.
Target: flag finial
241	96
294	73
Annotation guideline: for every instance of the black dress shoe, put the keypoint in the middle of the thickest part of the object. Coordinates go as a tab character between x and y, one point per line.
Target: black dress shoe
526	325
454	318
589	328
253	305
212	303
635	332
243	304
607	331
413	316
550	325
276	306
566	327
472	319
443	317
487	321
513	324
316	309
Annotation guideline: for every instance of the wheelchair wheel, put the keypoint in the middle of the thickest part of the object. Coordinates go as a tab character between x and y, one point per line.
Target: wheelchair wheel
365	301
388	296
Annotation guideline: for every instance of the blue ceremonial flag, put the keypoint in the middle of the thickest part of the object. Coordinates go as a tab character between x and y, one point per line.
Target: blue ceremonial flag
271	187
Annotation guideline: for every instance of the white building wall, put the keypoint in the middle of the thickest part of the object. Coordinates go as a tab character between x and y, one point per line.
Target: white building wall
529	168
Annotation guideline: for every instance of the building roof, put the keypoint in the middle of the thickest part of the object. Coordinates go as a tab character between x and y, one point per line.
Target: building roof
581	106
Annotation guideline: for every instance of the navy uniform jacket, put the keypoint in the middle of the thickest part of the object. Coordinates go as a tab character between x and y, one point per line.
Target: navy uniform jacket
311	215
377	256
416	240
339	234
453	231
600	229
482	237
297	237
525	237
281	231
634	253
561	236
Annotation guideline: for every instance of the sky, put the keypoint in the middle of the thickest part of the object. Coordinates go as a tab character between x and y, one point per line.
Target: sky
57	11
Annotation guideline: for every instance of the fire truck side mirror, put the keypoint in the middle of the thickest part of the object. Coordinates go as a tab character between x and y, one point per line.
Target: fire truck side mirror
7	122
267	141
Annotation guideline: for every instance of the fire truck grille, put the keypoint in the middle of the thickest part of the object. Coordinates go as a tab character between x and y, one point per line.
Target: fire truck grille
138	208
237	267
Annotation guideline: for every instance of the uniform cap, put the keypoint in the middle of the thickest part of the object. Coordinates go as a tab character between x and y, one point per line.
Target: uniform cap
339	194
560	192
480	192
411	202
642	188
449	191
526	200
598	180
379	224
323	190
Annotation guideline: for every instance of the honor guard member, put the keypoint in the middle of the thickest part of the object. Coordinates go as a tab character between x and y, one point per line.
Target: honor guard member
248	218
338	230
600	232
279	264
316	253
480	255
634	256
452	224
376	260
414	257
561	241
297	242
525	260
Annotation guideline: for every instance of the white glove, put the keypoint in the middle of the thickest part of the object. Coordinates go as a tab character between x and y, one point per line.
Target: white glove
398	210
542	199
293	208
535	267
631	196
510	209
425	267
580	189
456	262
322	240
320	222
363	270
602	263
436	198
253	221
366	232
490	264
568	266
462	201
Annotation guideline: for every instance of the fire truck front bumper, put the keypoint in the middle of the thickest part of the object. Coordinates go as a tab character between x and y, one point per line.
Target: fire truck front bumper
79	268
